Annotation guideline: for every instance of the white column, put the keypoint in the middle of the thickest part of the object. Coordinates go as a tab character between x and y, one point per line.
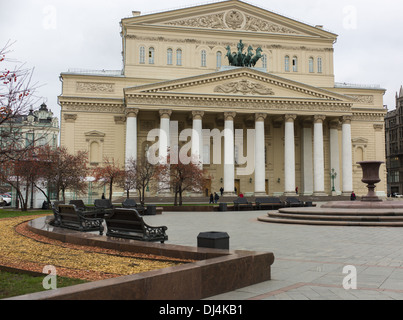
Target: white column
289	155
318	157
347	156
307	158
164	142
229	167
131	134
164	134
334	155
197	138
260	163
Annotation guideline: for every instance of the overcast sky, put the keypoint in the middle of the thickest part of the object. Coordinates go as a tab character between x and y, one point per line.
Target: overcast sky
53	36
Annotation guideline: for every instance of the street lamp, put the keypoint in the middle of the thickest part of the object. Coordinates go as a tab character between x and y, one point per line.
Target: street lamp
333	175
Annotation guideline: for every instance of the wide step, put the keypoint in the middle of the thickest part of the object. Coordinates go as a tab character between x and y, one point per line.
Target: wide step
336	217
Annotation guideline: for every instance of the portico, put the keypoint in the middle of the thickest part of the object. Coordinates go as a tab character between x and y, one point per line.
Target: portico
305	142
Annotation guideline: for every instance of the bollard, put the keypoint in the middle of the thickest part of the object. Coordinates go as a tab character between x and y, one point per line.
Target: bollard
213	239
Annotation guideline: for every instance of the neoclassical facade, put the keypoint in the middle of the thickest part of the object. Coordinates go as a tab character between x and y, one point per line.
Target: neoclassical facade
280	126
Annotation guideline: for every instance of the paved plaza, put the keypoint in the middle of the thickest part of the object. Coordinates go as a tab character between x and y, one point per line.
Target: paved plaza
309	260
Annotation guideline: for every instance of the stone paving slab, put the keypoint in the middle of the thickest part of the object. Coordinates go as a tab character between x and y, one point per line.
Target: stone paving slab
309	260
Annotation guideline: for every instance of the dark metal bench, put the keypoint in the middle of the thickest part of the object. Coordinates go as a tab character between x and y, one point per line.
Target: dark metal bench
91	212
242	203
293	202
68	216
132	204
268	203
127	223
103	206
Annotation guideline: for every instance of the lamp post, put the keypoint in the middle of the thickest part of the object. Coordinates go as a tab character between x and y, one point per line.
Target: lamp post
333	175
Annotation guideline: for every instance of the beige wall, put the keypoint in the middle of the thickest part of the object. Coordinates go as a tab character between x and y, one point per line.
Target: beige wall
93	106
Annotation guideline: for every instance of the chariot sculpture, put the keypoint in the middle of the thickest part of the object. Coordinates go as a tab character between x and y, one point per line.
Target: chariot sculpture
240	59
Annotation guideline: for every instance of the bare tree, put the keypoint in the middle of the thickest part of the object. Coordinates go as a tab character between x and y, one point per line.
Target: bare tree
139	175
17	96
180	177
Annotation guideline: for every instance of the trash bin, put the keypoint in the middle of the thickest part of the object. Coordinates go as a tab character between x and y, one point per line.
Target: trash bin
213	239
151	210
222	206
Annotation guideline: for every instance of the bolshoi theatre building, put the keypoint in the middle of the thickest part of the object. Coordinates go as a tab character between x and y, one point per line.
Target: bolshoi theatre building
283	123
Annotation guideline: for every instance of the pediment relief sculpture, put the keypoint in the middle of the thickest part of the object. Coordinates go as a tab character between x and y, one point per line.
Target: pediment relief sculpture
234	20
244	87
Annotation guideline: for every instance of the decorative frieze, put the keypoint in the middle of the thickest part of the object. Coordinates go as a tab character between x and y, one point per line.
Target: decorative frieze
363	99
95	87
233	20
244	87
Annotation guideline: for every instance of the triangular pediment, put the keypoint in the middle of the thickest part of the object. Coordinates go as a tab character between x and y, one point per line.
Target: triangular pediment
239	82
231	15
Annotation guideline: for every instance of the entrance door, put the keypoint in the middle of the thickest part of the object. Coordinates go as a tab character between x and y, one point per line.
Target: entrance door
207	187
267	186
237	186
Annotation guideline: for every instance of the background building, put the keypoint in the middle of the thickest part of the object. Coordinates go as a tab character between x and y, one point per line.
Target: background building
37	128
176	71
394	146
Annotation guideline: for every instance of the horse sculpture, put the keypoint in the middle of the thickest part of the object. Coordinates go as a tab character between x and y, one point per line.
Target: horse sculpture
239	59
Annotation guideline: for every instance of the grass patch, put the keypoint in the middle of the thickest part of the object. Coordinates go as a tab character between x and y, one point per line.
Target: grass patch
9	213
15	284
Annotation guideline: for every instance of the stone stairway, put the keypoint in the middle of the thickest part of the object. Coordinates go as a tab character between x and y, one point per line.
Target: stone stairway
336	217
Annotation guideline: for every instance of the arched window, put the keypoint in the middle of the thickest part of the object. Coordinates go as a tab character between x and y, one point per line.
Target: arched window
310	64
218	59
142	55
319	65
203	58
287	63
169	56
294	64
151	55
264	61
178	57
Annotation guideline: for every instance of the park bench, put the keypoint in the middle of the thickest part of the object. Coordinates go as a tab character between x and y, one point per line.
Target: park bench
127	223
293	202
68	216
242	203
132	204
268	203
103	206
91	212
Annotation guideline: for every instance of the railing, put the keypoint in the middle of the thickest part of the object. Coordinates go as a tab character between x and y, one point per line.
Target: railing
356	86
97	72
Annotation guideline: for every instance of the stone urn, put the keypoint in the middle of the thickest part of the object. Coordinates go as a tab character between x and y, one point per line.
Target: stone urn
370	176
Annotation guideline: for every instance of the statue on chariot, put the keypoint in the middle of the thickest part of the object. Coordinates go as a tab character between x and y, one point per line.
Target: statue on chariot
240	59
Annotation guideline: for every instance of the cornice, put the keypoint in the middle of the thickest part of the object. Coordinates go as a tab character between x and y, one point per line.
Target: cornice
231	74
210	103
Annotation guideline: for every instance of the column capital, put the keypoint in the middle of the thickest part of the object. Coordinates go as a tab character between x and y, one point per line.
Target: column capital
319	118
346	119
229	116
334	124
260	116
132	112
197	115
290	117
165	113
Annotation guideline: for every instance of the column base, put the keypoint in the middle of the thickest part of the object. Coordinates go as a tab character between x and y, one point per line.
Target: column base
260	194
229	194
290	194
319	194
346	193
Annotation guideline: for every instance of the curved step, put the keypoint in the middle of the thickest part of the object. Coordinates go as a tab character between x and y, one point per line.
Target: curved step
325	217
331	223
